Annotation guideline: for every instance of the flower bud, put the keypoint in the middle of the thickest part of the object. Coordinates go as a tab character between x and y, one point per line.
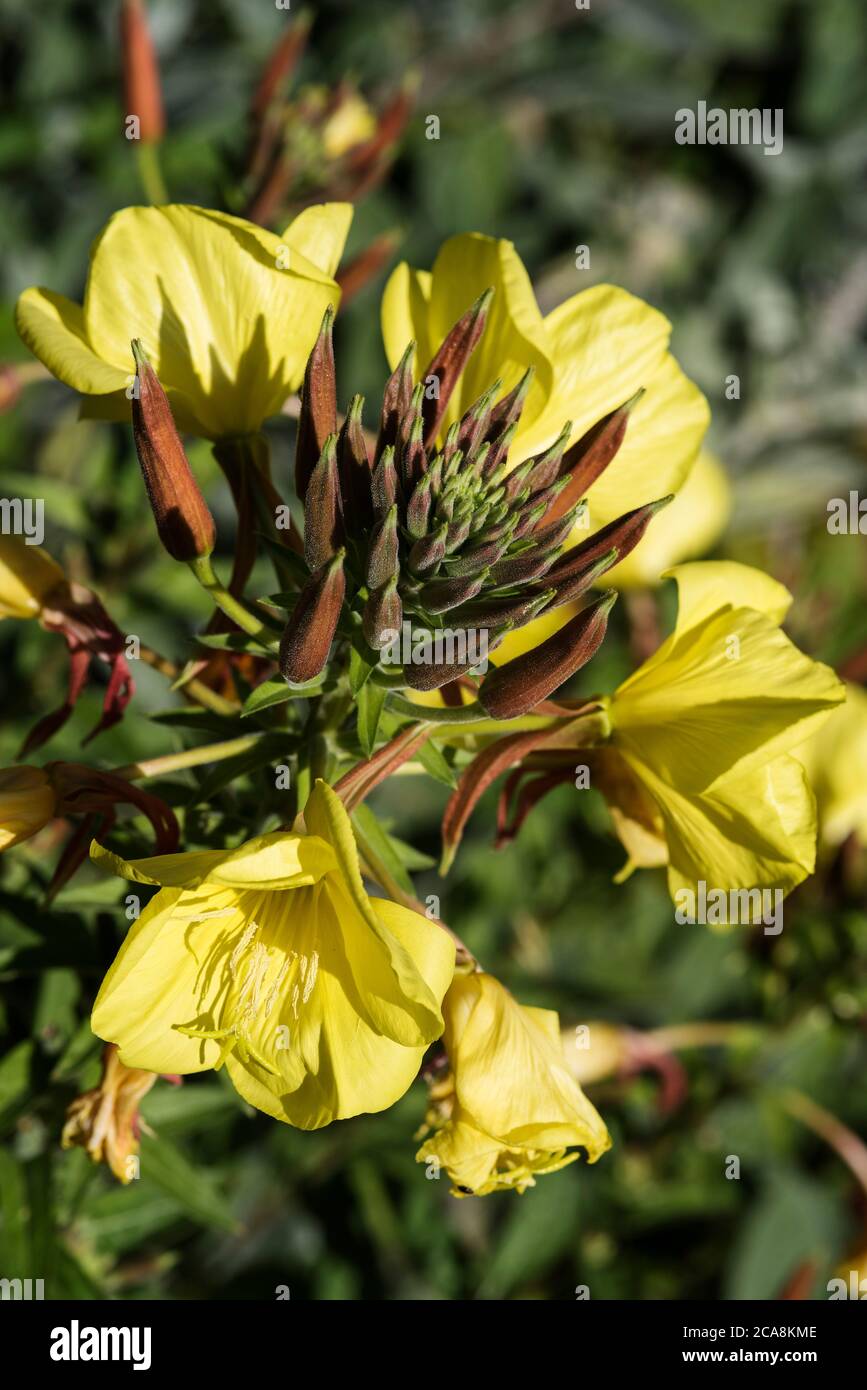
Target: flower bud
185	525
517	687
141	75
308	635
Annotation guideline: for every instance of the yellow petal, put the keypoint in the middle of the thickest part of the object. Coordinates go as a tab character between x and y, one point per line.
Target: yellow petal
417	1018
160	979
754	830
709	585
511	1077
227	330
350	1066
426	308
275	861
730	693
687	528
27	802
53	329
27	577
835	760
320	233
662	441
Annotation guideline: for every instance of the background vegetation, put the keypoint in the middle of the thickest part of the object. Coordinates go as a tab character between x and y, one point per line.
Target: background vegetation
556	130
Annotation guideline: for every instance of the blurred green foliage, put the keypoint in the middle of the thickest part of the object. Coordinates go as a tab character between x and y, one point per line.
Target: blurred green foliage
556	131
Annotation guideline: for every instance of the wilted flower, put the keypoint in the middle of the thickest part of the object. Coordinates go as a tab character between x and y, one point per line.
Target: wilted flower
272	959
508	1109
105	1121
33	586
226	311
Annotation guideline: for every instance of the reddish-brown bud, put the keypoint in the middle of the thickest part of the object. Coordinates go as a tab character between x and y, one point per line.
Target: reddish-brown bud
141	75
318	416
450	361
514	689
185	525
308	635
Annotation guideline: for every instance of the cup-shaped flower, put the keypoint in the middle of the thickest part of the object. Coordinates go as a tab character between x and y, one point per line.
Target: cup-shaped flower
27	576
272	959
105	1121
699	769
835	759
590	355
510	1109
227	313
27	802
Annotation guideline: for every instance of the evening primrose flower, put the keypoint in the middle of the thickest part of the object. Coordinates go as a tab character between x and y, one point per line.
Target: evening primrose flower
272	960
699	771
227	313
591	357
509	1109
835	760
27	803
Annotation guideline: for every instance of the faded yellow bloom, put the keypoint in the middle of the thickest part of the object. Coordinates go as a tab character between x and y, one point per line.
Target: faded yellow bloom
105	1121
509	1109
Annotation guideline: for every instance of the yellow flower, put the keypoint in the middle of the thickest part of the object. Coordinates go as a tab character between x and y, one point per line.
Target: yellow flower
350	124
688	528
27	576
27	802
699	772
591	355
510	1109
227	312
836	763
105	1121
272	959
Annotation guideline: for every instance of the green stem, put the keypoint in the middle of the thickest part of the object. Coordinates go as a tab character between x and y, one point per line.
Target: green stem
428	714
191	757
150	173
260	628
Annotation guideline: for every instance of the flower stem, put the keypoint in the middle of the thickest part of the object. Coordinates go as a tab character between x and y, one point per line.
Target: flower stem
150	173
195	690
190	757
428	714
260	628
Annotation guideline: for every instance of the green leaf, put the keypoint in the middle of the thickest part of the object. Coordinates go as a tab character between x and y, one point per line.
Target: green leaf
190	1185
434	763
15	1081
362	662
370	700
277	692
794	1220
381	844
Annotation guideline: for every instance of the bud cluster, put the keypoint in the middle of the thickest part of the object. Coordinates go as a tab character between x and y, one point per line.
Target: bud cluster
441	529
